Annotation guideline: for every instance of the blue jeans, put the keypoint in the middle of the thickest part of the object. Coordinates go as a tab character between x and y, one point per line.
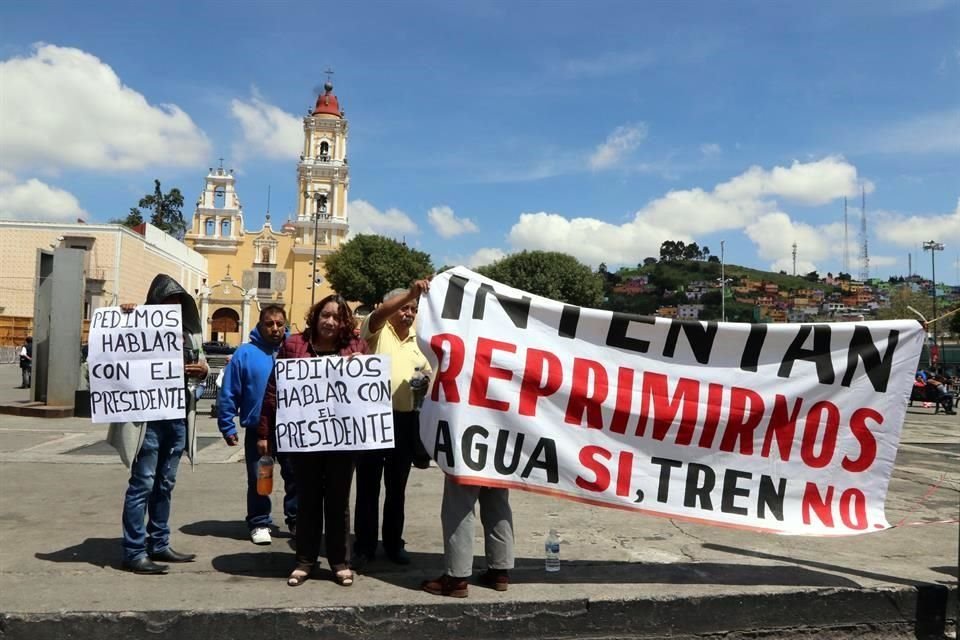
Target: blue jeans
258	506
152	478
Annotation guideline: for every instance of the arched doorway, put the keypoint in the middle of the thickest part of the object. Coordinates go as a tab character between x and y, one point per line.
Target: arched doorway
223	322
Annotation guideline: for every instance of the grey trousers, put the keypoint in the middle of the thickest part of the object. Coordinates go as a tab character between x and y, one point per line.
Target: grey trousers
457	517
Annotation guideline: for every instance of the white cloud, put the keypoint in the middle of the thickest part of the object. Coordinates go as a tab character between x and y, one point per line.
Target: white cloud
485	256
937	132
267	130
710	149
617	146
590	240
447	224
37	201
911	231
63	107
812	183
366	218
775	233
479	258
608	64
685	214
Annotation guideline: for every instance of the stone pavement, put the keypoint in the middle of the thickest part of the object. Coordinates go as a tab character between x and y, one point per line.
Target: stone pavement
623	575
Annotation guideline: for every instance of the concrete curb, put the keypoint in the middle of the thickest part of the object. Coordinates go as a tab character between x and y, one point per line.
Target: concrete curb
821	613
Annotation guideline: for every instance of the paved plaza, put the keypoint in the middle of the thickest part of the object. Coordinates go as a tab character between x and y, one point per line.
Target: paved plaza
623	575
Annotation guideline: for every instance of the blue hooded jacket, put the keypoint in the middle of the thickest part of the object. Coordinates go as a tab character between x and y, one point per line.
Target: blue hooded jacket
244	381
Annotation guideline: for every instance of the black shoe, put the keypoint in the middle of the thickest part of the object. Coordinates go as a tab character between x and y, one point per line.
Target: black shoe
169	555
421	462
399	557
359	561
145	566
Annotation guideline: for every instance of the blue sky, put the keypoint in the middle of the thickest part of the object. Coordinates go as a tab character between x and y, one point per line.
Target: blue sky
479	129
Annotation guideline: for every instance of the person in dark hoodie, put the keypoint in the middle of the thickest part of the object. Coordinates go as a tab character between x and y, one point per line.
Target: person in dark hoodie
240	397
153	450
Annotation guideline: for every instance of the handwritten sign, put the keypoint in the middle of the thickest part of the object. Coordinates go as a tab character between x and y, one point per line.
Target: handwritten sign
135	361
788	428
334	404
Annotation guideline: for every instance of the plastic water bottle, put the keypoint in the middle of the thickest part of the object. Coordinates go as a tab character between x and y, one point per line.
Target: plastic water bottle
551	547
265	475
418	384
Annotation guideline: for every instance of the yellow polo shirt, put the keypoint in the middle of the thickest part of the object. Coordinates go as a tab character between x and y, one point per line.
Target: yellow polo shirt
405	356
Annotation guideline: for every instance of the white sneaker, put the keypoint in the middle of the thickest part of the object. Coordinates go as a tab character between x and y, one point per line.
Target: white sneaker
260	535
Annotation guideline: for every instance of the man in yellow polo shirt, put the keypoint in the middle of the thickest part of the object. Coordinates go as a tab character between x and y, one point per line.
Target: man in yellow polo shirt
389	330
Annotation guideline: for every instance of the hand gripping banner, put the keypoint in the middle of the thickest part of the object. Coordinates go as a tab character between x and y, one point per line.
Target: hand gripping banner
787	428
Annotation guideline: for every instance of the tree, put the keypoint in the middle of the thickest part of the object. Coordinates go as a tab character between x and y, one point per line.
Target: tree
692	252
167	211
671	250
132	220
368	266
813	276
903	297
550	274
714	259
649	261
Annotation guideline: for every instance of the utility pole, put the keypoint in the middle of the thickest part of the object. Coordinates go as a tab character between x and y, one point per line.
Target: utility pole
794	258
933	246
723	287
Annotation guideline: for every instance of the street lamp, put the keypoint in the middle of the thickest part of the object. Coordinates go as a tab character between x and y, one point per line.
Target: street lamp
933	246
320	197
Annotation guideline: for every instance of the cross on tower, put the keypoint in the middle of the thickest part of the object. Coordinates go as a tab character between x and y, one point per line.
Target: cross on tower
329	73
221	163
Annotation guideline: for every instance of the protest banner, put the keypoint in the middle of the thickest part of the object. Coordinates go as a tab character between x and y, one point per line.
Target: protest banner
334	403
789	428
135	363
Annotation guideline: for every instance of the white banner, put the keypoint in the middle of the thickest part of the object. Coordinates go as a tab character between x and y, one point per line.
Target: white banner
776	427
334	403
135	362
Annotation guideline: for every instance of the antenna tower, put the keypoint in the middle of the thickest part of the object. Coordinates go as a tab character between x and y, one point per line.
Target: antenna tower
864	251
794	257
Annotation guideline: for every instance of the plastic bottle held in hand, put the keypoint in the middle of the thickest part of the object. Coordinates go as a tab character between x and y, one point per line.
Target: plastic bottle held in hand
265	475
418	384
551	547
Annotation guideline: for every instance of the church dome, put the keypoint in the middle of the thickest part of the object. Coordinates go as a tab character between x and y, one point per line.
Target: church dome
327	103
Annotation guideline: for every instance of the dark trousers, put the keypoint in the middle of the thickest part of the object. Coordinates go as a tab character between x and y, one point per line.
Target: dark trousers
323	489
393	467
259	508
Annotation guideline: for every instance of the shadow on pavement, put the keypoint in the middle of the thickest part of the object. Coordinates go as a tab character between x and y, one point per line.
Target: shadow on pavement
100	552
530	571
230	529
809	563
951	571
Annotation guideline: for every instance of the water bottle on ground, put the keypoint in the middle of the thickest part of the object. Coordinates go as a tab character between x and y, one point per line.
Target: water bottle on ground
265	475
551	547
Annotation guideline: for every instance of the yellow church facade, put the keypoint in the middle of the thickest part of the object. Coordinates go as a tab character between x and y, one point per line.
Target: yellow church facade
248	270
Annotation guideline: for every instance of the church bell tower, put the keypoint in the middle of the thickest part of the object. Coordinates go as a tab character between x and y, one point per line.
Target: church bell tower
323	181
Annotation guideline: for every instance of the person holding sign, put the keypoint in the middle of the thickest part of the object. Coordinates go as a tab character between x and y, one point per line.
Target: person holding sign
389	331
323	477
153	449
240	397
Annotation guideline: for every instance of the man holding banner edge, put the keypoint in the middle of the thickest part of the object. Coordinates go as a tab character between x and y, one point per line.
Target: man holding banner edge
389	330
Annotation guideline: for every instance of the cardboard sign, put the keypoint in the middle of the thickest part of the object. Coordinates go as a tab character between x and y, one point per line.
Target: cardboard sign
135	362
790	428
334	403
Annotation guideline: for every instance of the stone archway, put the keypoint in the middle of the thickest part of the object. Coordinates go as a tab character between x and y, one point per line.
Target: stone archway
225	320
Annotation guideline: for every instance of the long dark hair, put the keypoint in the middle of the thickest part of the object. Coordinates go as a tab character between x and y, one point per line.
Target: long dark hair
345	317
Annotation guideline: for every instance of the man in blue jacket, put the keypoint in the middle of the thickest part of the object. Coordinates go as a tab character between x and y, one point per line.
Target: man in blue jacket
244	382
